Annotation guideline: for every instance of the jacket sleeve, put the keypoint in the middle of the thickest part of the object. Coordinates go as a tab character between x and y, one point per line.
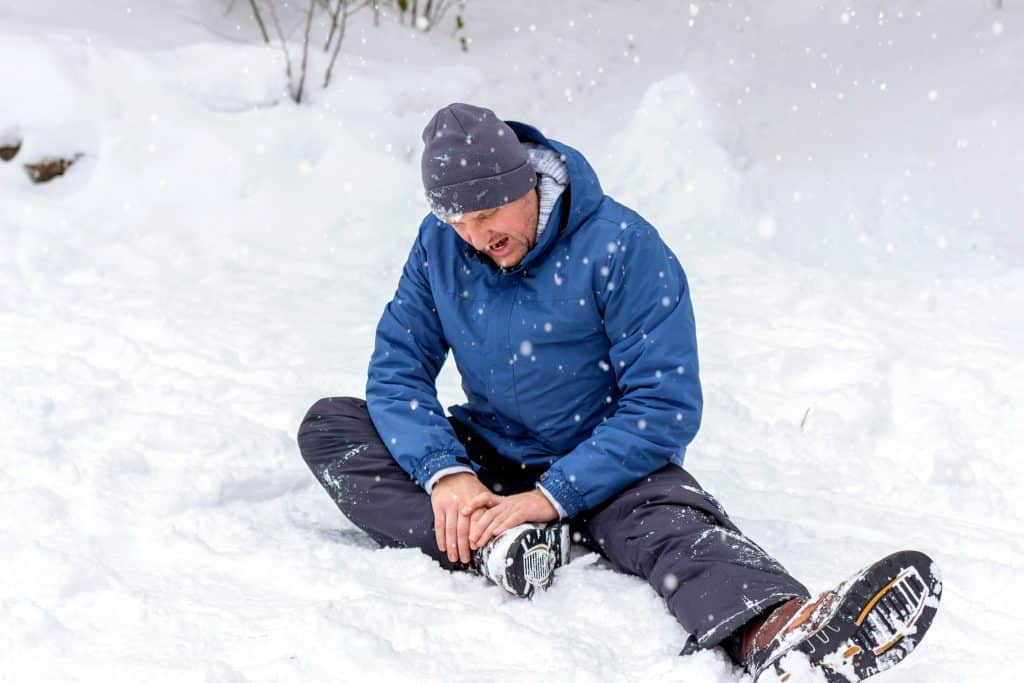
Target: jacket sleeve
401	394
649	321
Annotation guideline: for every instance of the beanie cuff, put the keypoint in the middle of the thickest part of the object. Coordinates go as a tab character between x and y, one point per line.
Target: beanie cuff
479	194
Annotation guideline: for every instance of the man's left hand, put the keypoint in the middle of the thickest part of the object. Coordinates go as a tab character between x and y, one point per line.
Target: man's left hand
505	512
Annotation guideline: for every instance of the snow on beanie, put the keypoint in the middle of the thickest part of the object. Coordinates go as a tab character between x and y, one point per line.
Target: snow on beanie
472	161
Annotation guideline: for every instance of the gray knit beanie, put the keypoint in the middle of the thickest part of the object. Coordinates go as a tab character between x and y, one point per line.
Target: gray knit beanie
472	160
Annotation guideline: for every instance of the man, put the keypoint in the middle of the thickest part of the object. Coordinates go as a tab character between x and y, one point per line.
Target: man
571	325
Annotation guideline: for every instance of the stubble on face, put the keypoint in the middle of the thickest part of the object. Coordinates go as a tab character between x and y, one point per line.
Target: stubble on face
506	233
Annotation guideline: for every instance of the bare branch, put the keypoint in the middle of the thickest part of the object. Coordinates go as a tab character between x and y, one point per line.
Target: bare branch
356	8
305	49
337	48
284	48
442	10
334	22
259	20
434	13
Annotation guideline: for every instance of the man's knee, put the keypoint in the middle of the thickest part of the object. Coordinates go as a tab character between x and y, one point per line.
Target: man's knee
673	487
337	405
330	425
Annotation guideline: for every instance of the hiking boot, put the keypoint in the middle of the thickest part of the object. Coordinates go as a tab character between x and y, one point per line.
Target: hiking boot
525	557
861	627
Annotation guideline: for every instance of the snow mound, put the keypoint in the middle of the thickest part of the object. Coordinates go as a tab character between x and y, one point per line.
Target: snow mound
669	161
45	103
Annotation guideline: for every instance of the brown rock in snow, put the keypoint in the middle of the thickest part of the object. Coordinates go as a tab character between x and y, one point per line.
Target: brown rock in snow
48	169
8	150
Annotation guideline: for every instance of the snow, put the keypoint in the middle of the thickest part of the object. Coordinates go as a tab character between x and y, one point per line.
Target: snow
218	259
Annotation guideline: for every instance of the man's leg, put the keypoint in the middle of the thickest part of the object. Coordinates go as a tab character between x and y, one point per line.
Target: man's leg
344	451
668	530
347	456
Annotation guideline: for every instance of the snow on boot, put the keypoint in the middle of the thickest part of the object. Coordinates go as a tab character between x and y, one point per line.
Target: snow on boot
524	557
861	627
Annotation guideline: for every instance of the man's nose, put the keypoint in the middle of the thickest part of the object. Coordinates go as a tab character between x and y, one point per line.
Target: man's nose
478	237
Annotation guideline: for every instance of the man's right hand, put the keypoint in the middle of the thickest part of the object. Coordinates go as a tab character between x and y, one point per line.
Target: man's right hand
451	528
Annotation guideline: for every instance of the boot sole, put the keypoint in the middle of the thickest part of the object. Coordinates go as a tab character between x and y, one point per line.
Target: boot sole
533	558
879	618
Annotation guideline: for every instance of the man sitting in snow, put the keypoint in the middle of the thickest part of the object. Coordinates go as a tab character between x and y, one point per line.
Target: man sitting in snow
571	325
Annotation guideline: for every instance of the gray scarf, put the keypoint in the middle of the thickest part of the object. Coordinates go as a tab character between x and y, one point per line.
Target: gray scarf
554	178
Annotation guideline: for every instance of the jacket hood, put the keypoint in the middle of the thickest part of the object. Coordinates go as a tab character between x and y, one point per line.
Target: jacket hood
578	202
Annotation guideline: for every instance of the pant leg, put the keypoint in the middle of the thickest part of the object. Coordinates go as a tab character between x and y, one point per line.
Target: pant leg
669	531
347	456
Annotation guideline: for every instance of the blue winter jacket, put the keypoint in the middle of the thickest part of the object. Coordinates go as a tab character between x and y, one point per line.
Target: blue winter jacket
582	359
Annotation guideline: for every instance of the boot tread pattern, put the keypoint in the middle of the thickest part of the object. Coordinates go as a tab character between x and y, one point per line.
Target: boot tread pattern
879	618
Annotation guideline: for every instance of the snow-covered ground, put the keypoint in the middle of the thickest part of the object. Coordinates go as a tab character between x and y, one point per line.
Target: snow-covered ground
843	181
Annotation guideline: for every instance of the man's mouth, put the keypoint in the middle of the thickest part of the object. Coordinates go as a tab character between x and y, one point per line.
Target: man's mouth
498	248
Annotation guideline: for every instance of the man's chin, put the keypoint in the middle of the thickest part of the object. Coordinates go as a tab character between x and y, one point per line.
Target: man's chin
508	261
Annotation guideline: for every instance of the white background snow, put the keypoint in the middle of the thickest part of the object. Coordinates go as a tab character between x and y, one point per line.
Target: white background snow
841	180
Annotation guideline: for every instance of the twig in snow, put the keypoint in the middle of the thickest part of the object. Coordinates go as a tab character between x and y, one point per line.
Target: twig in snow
305	49
334	22
284	48
259	19
337	49
341	35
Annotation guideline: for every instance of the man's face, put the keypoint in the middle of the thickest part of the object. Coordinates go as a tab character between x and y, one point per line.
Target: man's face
505	233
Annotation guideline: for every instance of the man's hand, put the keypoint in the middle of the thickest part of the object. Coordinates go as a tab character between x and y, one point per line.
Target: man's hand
451	527
505	512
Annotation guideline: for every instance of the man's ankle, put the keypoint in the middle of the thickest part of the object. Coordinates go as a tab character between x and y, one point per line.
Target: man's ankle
760	631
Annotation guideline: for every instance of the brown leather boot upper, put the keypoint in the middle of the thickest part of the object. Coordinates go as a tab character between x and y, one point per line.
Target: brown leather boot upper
784	619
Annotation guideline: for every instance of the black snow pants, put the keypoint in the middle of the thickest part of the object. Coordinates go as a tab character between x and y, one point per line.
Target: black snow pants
664	528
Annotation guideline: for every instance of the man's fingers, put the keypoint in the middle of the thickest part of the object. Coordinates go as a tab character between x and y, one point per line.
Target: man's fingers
501	524
451	520
462	530
483	499
474	525
439	528
492	529
481	524
510	520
